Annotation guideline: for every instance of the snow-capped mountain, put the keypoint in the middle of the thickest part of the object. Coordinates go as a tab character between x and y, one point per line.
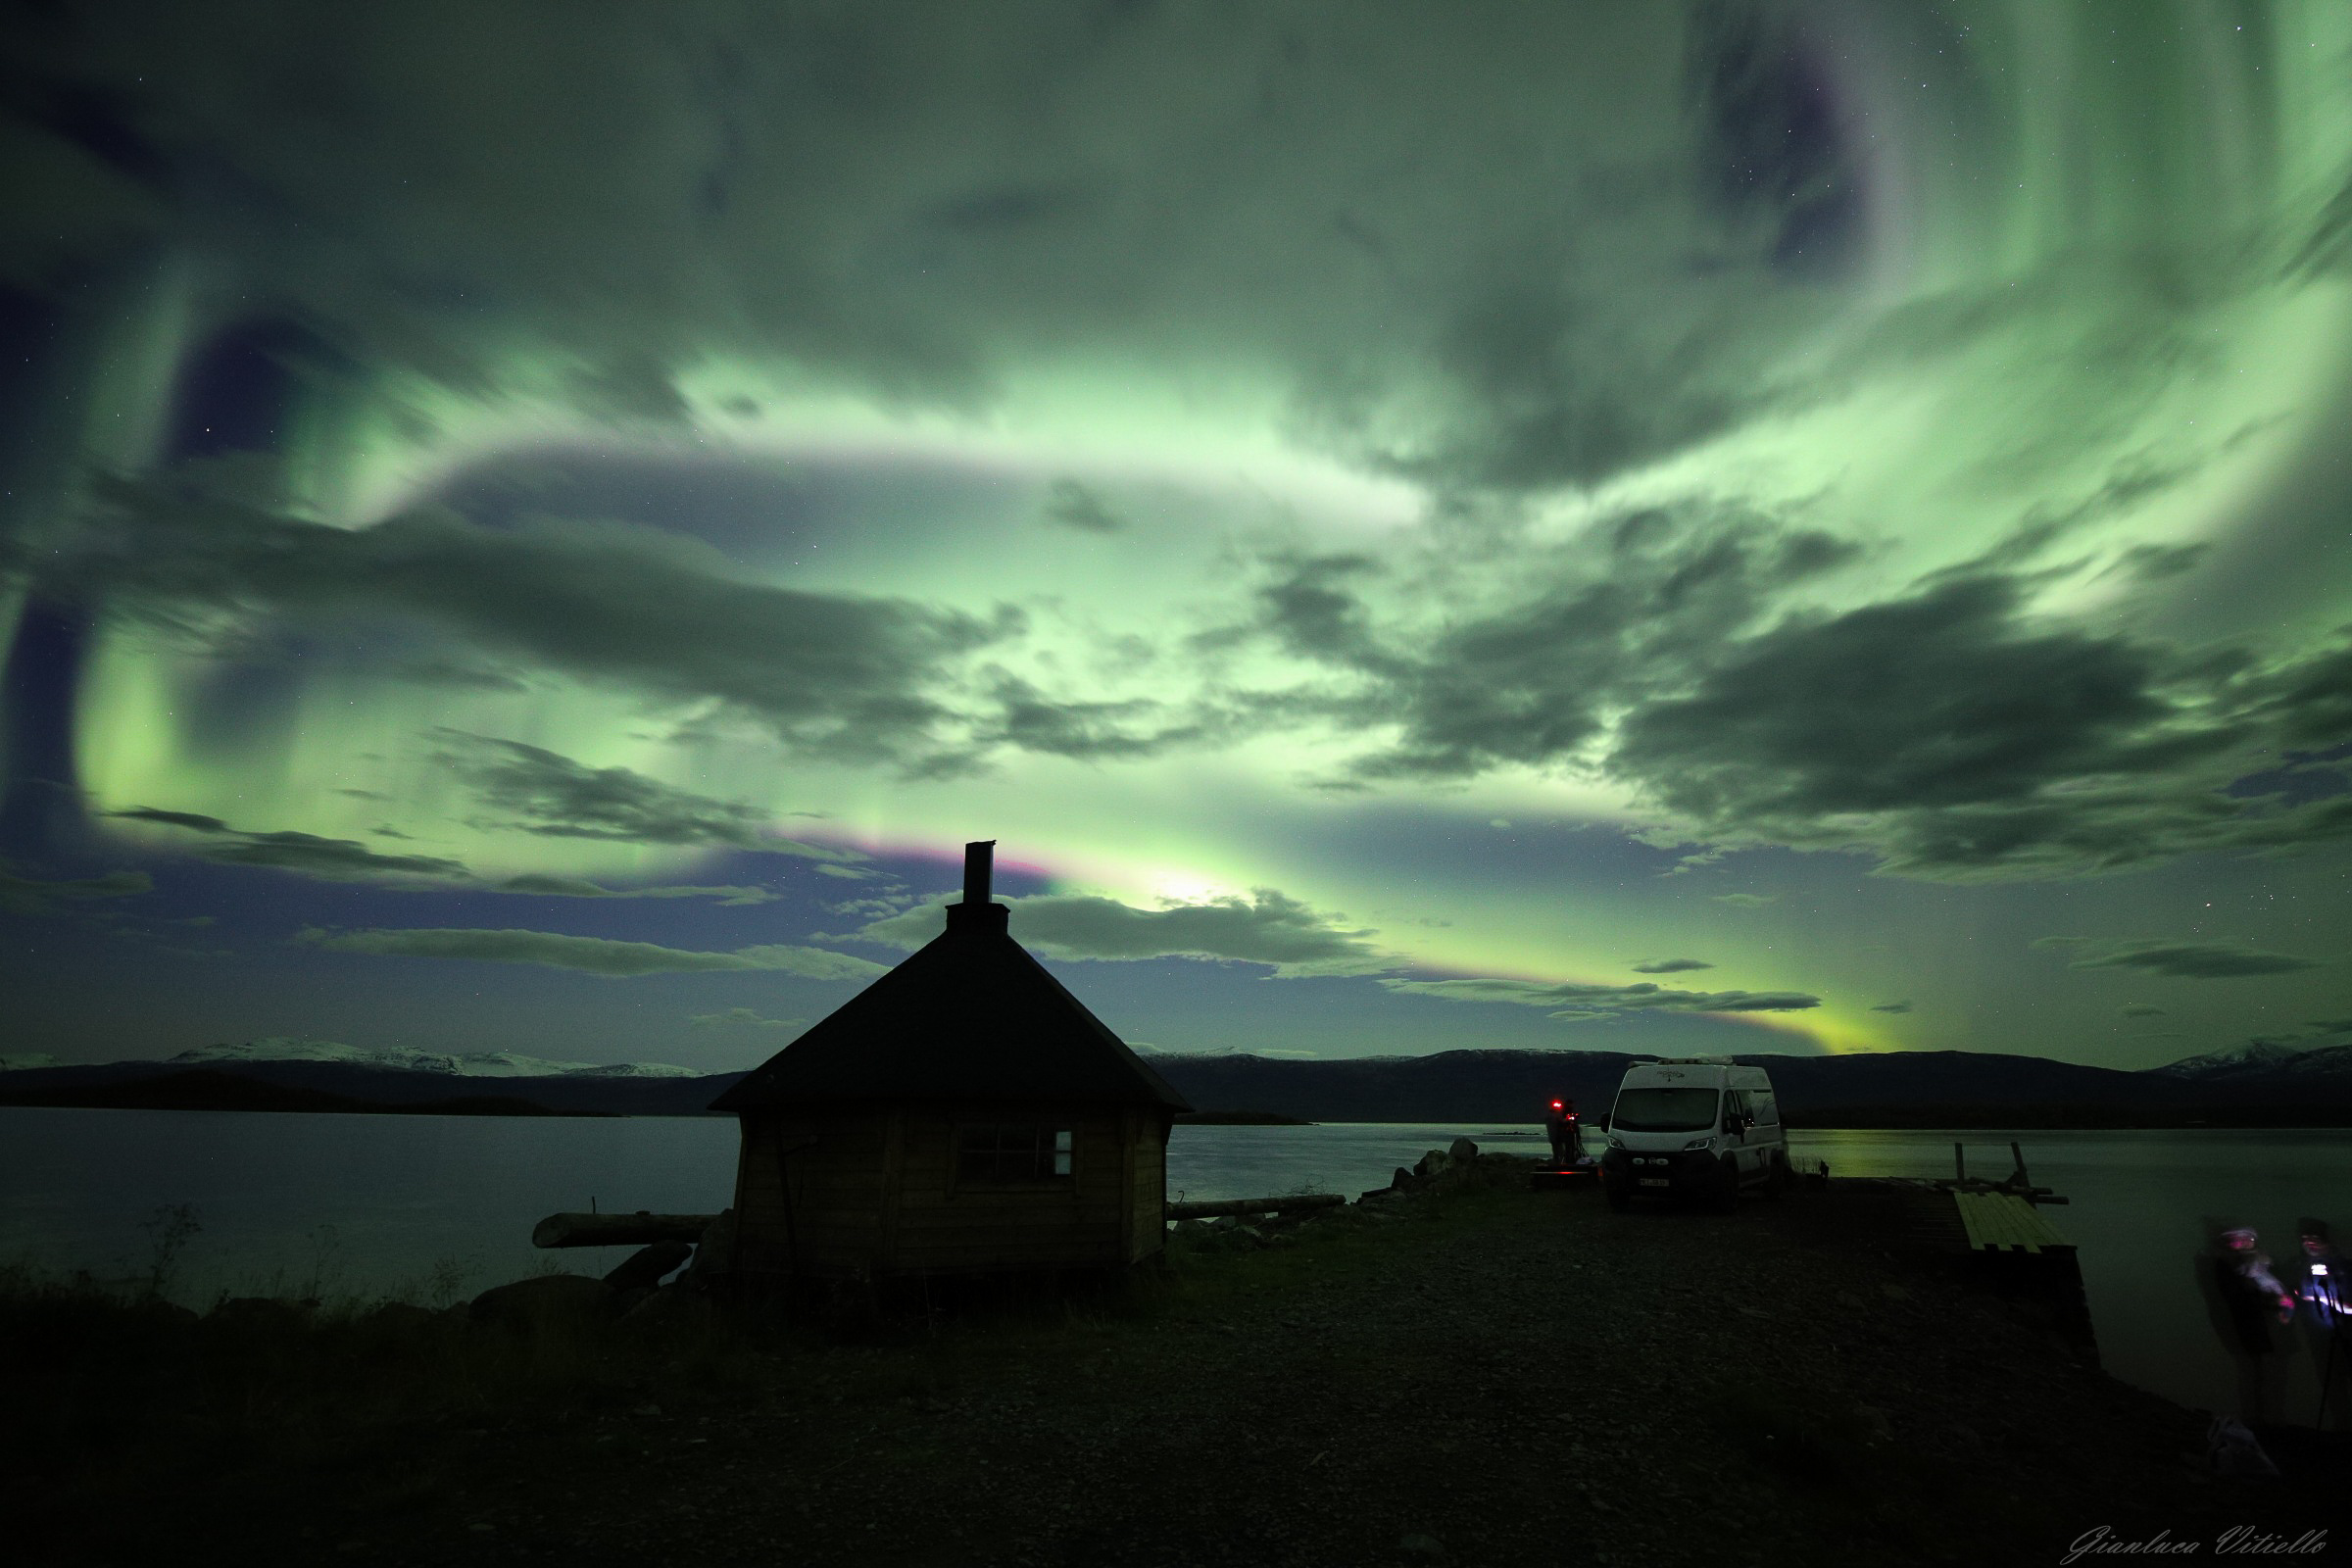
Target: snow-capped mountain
2255	1054
2285	1069
402	1058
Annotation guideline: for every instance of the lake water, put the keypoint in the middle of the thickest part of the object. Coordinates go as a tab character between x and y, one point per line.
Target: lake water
424	1204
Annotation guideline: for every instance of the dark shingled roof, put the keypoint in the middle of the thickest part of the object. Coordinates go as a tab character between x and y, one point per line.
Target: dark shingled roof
970	1016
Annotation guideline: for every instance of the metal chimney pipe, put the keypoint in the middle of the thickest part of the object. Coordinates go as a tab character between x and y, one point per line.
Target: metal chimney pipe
979	866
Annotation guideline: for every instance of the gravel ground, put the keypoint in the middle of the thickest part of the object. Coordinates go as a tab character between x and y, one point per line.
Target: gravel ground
1479	1375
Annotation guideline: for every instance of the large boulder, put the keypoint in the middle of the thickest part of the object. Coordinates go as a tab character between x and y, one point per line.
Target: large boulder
1463	1152
262	1314
646	1267
401	1319
671	1309
715	1255
542	1299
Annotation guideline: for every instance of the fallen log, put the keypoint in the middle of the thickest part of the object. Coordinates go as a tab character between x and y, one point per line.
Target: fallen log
640	1229
1286	1205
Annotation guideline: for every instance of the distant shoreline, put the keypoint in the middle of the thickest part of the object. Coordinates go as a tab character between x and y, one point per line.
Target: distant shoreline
205	1089
210	1088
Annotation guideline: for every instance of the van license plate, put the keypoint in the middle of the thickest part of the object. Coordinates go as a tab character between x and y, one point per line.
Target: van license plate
1655	1181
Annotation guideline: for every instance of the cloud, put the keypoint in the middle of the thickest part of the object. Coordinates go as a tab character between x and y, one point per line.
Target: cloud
840	676
1124	730
2141	1009
1074	505
545	793
1671	966
742	1017
1893	1006
1941	731
25	894
344	861
305	853
1571	1001
1265	927
598	956
2183	960
1746	901
571	887
1531	680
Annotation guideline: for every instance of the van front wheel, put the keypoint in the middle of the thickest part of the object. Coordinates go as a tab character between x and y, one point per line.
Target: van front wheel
1723	1194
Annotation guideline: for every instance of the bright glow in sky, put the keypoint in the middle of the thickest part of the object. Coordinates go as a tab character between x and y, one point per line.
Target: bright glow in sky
1786	526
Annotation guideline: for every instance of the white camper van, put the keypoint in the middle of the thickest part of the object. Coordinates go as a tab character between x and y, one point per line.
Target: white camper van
1693	1127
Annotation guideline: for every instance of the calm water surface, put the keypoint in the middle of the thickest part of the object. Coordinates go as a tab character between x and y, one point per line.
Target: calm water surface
374	1205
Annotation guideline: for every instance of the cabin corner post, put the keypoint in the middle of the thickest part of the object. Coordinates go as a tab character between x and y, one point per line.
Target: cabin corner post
894	1184
1131	1235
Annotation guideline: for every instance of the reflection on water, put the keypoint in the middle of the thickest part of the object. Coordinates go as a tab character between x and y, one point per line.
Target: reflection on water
375	1202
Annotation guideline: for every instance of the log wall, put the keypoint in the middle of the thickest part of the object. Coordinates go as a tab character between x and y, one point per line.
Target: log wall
878	1192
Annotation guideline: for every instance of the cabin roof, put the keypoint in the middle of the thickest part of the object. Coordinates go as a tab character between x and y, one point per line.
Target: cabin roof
971	1015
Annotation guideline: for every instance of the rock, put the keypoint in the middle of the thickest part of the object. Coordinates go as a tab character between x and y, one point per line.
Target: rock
1421	1548
261	1313
1433	1163
1893	1293
646	1267
1403	1181
670	1310
1463	1151
542	1299
402	1317
715	1253
166	1315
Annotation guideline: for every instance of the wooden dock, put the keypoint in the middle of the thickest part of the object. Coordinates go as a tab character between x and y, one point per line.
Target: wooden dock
2003	1222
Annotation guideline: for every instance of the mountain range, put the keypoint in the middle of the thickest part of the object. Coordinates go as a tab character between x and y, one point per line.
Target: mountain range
2262	1085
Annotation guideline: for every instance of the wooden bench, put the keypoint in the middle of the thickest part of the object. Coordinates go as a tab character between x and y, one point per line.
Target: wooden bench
2001	1222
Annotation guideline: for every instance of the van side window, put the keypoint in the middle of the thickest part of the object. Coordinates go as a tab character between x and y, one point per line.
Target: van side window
1735	1106
1768	1114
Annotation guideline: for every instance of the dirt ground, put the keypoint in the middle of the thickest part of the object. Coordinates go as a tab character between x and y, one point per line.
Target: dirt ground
1481	1375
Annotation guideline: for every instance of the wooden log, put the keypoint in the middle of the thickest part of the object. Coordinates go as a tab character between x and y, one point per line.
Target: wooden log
640	1229
1254	1205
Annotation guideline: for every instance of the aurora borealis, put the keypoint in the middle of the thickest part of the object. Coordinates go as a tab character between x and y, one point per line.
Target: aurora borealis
545	528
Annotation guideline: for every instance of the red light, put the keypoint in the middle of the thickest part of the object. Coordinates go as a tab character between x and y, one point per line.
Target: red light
1555	1105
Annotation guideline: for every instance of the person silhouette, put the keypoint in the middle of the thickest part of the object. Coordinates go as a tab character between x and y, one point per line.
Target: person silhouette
2248	1293
2324	1304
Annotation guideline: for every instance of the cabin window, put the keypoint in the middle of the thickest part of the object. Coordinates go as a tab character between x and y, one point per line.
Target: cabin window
1013	1152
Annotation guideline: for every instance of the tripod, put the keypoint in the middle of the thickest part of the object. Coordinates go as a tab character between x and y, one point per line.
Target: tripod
2321	1291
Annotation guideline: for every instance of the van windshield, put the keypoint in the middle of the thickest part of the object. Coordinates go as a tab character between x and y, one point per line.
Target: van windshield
1663	1110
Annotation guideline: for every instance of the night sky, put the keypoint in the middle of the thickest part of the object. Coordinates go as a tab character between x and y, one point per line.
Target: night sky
543	528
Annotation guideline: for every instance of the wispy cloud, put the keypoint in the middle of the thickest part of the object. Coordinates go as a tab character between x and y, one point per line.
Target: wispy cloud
1569	1001
2181	961
327	859
545	793
571	887
742	1018
27	895
1265	927
598	956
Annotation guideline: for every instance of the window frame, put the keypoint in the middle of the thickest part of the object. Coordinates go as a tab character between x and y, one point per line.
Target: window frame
1022	1157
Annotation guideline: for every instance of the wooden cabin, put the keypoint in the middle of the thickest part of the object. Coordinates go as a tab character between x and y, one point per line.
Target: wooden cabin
965	1114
